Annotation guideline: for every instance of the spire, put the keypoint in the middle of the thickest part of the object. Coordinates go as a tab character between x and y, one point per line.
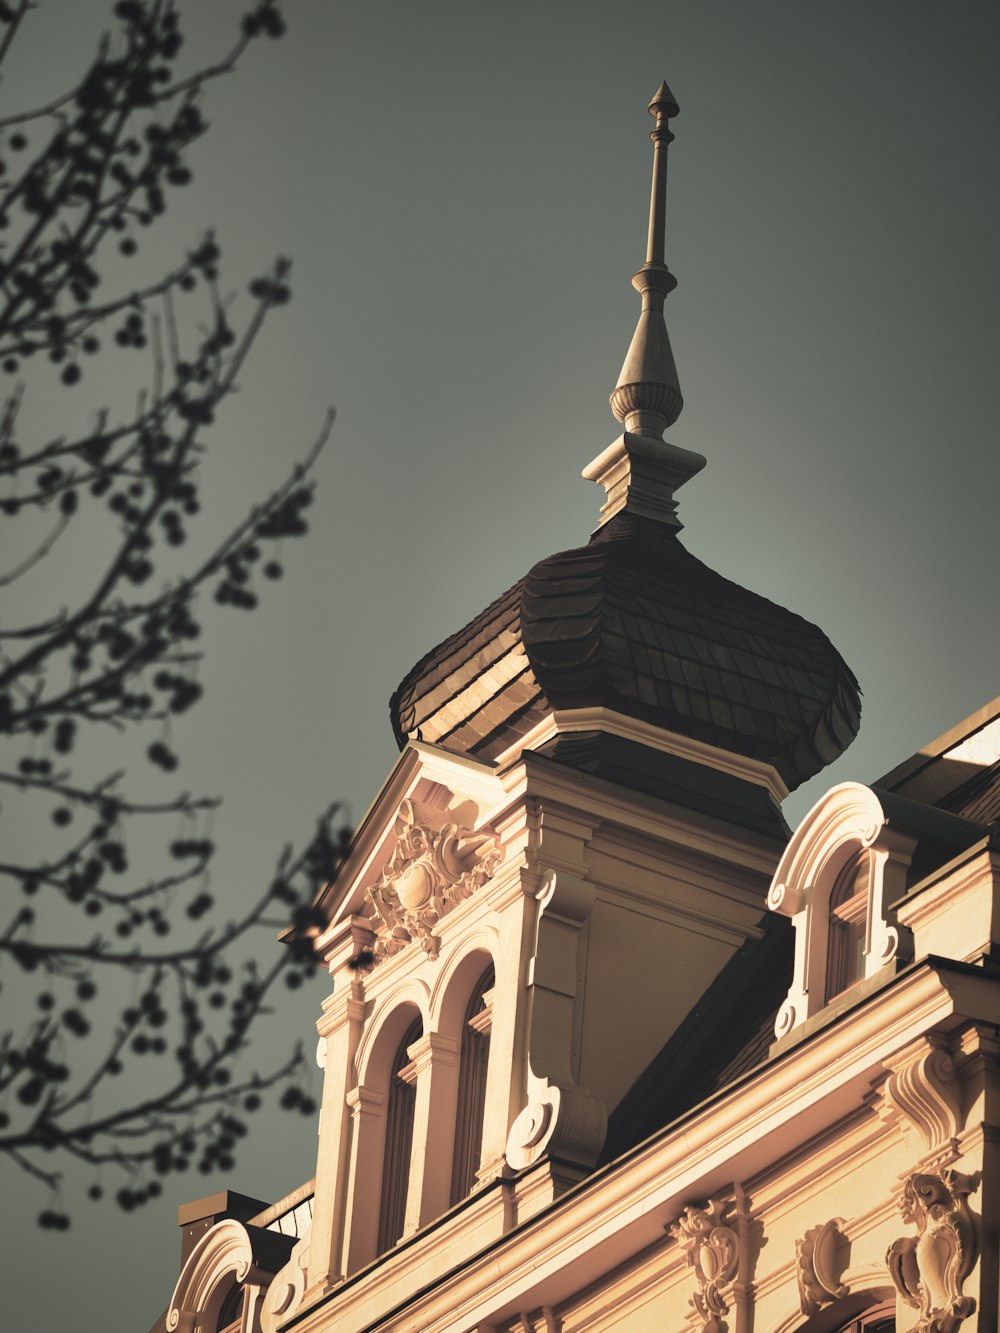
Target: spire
641	471
647	398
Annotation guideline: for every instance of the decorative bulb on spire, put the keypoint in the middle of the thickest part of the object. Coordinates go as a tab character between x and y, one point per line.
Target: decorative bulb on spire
647	398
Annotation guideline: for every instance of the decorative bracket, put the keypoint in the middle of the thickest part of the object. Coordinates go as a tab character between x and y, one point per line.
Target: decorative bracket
284	1295
816	1266
923	1089
433	868
712	1249
929	1269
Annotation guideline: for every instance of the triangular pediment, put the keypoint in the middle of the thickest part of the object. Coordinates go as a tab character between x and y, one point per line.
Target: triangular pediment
424	845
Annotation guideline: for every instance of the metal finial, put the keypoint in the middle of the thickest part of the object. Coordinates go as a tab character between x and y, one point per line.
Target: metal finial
647	398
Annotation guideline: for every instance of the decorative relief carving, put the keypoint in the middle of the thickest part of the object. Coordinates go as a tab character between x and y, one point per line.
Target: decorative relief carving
712	1250
432	868
284	1295
929	1269
786	1019
923	1088
564	1122
816	1266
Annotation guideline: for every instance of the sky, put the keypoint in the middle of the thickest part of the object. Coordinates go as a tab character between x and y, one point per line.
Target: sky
463	188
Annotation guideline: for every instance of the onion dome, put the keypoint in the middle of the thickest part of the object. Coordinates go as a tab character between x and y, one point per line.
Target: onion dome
632	622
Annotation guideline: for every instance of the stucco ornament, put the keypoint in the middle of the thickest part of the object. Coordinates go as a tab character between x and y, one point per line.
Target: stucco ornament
431	869
930	1268
816	1266
284	1295
223	1257
712	1250
923	1090
563	1122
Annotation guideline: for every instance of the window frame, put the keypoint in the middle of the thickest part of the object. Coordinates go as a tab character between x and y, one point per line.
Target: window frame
470	1107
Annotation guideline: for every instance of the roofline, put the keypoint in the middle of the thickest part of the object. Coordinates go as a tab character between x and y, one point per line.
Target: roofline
939	747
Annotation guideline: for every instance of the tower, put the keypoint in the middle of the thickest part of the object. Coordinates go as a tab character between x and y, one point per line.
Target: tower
577	838
580	1072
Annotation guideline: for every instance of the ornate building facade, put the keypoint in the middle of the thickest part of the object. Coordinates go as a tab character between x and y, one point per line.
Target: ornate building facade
607	1046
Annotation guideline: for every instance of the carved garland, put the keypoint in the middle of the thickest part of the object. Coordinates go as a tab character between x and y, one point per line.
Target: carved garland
431	871
712	1250
930	1268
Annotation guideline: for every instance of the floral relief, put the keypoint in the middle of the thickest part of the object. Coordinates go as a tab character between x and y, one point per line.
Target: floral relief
712	1250
431	869
929	1269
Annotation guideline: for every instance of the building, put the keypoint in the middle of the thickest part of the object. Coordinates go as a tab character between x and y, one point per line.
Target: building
607	1046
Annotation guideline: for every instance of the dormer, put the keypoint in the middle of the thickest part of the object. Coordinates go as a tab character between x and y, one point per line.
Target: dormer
492	935
844	880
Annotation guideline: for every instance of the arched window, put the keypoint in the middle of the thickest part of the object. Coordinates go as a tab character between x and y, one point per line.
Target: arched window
879	1320
473	1062
845	959
231	1315
402	1096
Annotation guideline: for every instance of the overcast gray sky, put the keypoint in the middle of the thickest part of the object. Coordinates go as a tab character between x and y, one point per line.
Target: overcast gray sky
463	188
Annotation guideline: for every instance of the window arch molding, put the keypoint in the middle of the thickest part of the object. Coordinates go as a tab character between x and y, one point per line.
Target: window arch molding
385	1027
228	1257
451	997
455	975
847	821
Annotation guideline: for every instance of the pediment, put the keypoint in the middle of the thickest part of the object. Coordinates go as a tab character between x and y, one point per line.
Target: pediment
425	844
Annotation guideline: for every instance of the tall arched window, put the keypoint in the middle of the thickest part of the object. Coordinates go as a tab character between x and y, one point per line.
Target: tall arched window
402	1096
473	1063
848	925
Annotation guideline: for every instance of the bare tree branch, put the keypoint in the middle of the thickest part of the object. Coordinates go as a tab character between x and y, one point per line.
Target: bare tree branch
86	922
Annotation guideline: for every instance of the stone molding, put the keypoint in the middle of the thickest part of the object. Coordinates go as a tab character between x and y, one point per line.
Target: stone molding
224	1256
433	867
566	721
284	1296
924	1091
929	1269
563	1122
712	1249
557	1117
641	475
816	1266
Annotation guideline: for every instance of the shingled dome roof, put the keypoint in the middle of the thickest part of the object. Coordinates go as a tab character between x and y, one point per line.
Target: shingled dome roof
632	622
637	624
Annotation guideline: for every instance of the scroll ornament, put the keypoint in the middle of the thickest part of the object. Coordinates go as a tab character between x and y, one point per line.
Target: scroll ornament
284	1295
815	1264
930	1268
712	1250
430	871
924	1090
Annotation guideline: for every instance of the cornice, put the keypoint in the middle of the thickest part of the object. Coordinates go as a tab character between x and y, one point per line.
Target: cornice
534	776
959	874
568	720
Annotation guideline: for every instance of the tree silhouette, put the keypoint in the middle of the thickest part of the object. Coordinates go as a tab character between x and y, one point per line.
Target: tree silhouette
153	1088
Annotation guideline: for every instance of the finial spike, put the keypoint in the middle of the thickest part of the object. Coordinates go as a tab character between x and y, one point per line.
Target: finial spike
647	398
640	471
664	98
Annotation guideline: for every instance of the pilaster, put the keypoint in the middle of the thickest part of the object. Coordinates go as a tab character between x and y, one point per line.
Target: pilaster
367	1108
340	1028
435	1074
